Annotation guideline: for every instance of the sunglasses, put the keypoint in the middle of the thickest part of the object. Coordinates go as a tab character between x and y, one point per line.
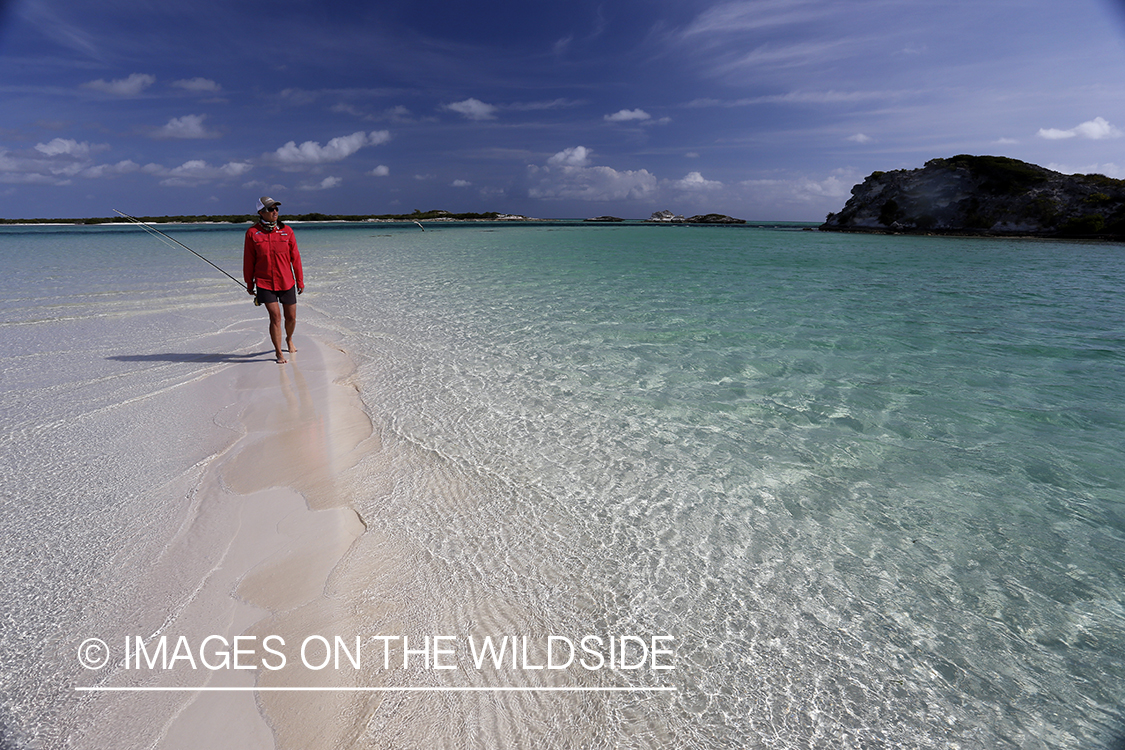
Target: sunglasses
271	209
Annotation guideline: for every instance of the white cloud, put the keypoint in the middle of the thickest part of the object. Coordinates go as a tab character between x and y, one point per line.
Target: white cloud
695	181
67	146
236	168
1109	169
312	153
461	183
188	127
473	109
628	115
568	174
1096	130
740	16
326	184
380	171
399	114
110	170
578	156
131	86
1054	134
199	85
830	187
803	188
58	162
859	138
195	171
596	184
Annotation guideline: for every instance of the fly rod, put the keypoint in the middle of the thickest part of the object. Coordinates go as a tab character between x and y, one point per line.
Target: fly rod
154	231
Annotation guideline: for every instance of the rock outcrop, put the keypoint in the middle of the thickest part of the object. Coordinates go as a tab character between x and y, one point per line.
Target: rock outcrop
985	195
604	219
715	219
667	217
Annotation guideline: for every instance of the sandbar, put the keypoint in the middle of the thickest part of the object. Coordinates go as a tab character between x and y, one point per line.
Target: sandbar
263	524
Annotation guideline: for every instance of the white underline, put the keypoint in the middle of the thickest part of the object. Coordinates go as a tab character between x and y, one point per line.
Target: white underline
376	689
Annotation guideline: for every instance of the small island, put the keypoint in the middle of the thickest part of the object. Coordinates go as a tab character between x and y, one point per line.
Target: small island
667	217
984	195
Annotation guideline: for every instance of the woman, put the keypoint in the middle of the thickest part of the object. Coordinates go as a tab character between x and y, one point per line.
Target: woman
272	264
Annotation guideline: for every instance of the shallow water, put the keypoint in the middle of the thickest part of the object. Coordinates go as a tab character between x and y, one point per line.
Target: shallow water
872	486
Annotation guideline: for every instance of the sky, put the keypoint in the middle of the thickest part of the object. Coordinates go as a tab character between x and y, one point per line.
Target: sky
760	109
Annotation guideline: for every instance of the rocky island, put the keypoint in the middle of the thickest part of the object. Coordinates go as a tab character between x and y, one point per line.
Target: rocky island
984	195
667	217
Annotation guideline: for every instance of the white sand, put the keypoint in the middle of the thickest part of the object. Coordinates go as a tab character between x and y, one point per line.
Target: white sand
262	529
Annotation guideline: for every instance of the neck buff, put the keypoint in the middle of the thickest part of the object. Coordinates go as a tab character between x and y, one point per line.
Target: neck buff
269	225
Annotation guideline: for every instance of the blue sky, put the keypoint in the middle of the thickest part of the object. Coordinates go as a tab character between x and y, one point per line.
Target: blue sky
762	109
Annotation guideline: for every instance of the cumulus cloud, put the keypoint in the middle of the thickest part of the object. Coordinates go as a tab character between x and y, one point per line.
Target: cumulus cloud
58	162
188	126
628	115
380	171
569	175
67	146
577	156
830	187
235	168
131	86
801	189
1096	130
311	153
695	181
473	109
326	184
198	85
461	183
196	171
859	138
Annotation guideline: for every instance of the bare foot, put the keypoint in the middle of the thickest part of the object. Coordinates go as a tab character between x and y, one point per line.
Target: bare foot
289	343
281	360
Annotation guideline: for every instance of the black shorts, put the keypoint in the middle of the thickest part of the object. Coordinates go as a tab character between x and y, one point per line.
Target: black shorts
288	297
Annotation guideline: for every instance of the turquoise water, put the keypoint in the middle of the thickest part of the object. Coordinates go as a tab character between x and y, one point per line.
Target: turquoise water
873	486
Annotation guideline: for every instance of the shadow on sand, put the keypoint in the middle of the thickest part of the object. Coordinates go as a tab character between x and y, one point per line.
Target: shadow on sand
186	357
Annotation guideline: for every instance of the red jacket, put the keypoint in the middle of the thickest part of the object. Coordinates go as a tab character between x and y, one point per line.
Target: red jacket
270	259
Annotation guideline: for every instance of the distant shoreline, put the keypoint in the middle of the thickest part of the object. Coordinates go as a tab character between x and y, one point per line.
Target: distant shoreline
429	217
434	215
514	221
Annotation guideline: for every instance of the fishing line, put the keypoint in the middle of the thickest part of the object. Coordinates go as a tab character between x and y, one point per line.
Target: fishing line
156	232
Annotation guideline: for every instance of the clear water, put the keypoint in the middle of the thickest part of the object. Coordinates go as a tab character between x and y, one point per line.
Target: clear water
874	486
